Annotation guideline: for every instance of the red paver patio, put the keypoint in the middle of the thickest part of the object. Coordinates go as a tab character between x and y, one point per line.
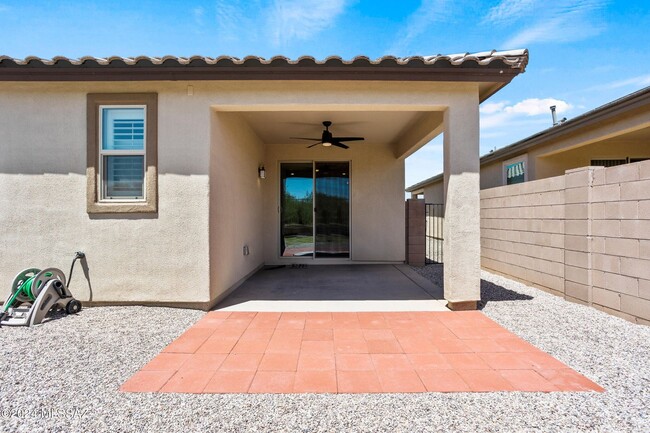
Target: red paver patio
247	352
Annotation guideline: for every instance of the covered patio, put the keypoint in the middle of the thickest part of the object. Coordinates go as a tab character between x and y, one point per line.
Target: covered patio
318	203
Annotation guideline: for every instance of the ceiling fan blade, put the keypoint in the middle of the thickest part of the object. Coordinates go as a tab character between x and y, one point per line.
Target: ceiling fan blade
348	138
339	144
305	138
315	144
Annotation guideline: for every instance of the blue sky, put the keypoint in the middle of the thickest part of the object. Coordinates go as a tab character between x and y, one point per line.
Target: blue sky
583	53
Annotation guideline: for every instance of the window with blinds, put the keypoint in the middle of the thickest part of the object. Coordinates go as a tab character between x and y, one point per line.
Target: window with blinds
607	162
122	153
615	162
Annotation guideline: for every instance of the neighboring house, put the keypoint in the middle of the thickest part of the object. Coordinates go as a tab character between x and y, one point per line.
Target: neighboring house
178	177
615	133
568	210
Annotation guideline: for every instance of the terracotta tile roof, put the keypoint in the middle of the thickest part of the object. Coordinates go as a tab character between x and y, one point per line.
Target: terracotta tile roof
492	69
515	59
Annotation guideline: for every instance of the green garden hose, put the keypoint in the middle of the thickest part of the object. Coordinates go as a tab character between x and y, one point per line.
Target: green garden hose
24	289
11	301
34	292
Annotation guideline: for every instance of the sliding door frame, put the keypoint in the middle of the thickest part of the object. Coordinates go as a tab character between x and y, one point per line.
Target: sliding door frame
313	258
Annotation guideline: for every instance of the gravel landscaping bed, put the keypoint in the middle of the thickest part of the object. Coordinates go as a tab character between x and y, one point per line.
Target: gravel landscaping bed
64	376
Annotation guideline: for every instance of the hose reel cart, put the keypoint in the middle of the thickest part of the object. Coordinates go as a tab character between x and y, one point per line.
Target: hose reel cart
34	292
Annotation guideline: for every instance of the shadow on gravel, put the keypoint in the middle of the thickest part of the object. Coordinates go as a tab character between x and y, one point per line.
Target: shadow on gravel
490	292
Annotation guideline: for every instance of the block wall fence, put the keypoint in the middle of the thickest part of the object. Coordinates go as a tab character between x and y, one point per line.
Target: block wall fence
415	232
584	236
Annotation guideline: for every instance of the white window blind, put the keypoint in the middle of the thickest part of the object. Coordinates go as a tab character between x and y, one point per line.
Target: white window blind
607	162
124	176
122	151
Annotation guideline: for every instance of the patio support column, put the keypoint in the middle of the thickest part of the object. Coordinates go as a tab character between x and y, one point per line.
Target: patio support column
462	241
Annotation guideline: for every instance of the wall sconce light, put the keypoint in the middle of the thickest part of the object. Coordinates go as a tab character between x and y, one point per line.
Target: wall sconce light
262	172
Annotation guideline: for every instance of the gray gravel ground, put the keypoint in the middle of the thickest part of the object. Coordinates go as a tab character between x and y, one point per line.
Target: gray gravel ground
64	376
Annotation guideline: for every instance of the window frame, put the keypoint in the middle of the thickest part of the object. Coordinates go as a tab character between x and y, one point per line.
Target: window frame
103	153
504	172
96	103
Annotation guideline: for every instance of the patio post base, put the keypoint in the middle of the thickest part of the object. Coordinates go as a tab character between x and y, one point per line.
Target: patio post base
462	305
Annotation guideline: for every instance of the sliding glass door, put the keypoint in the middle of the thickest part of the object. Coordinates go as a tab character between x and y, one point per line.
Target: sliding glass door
332	209
297	209
315	209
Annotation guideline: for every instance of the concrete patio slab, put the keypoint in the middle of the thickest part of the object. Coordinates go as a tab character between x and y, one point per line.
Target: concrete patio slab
331	288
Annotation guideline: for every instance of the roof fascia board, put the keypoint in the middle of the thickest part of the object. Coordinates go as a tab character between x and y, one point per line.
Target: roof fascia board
171	73
421	185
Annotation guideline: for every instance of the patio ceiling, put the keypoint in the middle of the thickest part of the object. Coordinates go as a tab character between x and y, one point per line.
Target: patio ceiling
405	131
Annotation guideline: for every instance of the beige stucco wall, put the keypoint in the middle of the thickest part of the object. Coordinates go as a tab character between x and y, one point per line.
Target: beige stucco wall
435	192
557	164
492	175
236	198
43	218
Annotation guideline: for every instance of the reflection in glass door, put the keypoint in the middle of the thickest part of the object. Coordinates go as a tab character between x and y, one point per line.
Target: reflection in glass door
328	207
297	210
332	209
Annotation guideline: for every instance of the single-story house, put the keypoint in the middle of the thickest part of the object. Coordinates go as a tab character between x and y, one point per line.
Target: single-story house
181	177
613	134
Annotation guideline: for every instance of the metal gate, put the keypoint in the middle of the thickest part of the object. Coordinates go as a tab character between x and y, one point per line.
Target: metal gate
434	232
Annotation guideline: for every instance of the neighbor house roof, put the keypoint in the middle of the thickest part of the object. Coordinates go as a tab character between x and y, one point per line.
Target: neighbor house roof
597	115
490	66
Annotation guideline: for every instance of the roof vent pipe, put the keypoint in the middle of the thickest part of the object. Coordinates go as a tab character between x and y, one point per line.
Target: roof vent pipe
554	115
555	121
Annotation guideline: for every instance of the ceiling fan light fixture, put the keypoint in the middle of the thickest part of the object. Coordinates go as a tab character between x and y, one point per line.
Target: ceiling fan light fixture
327	139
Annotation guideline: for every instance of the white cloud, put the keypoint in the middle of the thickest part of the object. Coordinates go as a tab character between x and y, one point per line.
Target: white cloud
492	107
640	81
198	13
275	22
509	10
535	106
503	115
429	12
558	29
494	134
232	22
538	21
289	20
